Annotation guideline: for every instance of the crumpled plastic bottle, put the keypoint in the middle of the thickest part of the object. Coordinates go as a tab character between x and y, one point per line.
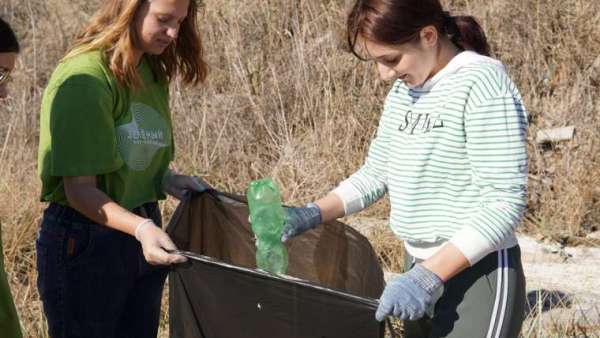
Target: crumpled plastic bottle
267	215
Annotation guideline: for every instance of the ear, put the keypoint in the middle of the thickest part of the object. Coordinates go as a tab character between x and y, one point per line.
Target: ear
429	36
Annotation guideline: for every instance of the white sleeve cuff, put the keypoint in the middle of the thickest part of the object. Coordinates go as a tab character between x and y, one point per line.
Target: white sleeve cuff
472	244
350	196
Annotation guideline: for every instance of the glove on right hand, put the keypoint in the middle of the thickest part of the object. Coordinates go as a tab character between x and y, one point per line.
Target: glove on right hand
155	244
300	219
409	295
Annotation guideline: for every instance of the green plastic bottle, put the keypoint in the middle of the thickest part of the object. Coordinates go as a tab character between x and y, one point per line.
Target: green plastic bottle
267	215
271	256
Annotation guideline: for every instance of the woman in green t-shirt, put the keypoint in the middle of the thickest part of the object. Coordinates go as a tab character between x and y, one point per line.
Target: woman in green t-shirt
9	48
105	146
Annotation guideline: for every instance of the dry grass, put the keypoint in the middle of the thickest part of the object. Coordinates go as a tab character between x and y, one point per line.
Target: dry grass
285	100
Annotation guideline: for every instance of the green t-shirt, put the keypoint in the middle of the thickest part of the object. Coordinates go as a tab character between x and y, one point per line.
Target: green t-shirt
90	125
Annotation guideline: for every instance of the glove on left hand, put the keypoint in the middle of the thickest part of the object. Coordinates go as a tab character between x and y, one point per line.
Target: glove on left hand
409	295
177	185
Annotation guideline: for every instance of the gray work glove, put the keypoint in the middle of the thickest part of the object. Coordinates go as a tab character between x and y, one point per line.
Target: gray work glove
300	219
409	295
177	185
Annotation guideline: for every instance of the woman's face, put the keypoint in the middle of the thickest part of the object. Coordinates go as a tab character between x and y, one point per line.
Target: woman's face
412	62
7	63
157	24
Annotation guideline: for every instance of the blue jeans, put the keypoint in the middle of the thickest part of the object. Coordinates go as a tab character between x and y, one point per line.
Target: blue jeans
93	280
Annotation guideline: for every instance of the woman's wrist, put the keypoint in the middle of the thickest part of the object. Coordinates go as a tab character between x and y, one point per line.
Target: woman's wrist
447	262
331	207
140	226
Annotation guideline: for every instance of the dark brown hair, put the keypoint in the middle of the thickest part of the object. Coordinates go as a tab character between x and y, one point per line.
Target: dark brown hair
394	22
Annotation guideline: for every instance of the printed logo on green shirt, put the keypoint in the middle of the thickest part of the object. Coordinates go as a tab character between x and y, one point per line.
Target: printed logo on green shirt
139	140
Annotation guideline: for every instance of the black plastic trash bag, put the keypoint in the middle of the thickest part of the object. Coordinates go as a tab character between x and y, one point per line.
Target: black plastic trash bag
329	291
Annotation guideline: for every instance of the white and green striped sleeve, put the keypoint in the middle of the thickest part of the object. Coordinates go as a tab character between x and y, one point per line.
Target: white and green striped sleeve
495	127
369	183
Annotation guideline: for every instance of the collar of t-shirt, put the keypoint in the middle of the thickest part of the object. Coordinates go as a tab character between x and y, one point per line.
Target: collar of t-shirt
459	61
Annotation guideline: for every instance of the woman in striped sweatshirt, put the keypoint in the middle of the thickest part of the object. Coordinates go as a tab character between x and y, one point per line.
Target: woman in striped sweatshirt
450	152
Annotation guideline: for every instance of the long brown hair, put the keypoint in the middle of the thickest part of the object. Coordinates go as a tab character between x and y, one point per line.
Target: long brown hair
394	22
112	30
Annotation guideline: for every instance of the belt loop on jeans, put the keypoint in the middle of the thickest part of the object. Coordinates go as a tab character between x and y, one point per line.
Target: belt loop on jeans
147	210
143	211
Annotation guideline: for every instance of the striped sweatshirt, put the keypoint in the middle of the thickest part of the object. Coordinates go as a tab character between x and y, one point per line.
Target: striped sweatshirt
452	156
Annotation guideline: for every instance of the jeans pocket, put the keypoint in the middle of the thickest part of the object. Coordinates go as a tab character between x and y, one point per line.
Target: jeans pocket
78	243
